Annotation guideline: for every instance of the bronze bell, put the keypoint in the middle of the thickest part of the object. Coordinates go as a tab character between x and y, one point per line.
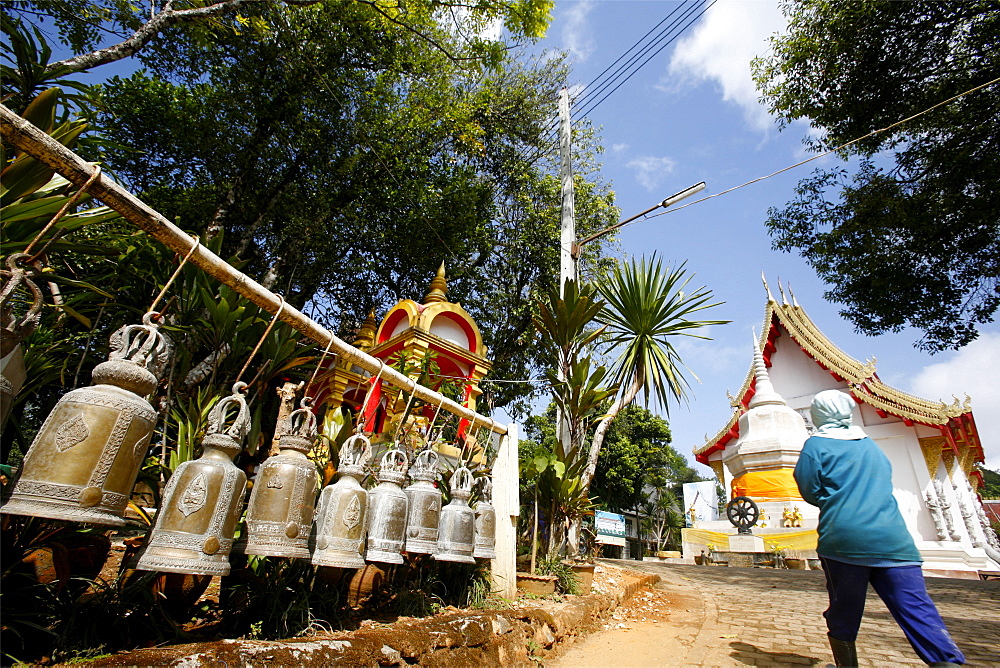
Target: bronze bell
486	523
343	510
84	461
279	517
424	500
14	329
387	515
458	522
197	518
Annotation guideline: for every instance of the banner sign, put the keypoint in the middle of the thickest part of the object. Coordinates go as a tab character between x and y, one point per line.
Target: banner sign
610	528
701	504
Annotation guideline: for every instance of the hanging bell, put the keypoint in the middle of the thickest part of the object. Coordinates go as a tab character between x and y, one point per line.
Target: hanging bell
84	461
486	523
14	329
458	522
343	510
279	517
197	518
424	500
387	516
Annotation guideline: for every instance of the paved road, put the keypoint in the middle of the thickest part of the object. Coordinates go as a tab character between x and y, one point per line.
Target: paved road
768	617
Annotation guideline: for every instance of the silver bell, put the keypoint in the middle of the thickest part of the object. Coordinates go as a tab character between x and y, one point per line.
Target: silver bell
486	523
83	463
458	522
279	517
387	517
343	510
197	519
425	505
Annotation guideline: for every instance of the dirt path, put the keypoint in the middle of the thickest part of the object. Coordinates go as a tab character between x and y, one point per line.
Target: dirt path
670	625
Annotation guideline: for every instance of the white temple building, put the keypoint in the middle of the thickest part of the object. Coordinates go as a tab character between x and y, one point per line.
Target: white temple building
932	446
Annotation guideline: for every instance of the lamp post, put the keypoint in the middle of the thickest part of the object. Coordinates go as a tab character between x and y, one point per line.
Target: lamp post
667	203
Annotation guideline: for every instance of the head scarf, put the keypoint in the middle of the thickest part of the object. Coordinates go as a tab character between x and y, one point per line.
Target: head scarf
831	415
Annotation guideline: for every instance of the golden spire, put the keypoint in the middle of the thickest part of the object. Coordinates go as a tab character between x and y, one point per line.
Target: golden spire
438	288
366	335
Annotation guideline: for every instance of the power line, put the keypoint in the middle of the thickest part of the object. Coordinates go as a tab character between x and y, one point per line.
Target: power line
625	72
832	150
593	106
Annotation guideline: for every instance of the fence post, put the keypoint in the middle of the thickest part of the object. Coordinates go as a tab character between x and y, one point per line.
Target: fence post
507	504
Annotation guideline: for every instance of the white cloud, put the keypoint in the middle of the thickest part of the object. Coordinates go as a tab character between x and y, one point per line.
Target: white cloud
721	46
973	370
651	170
577	37
619	148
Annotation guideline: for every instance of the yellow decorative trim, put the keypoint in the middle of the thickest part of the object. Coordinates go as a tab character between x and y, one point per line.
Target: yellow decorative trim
720	470
932	448
948	457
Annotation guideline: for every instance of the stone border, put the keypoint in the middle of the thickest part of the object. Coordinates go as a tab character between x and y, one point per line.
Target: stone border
517	637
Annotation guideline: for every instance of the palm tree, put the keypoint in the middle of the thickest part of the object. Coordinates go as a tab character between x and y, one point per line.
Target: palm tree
646	306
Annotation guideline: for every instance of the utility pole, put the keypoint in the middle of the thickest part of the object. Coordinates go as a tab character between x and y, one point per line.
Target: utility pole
567	235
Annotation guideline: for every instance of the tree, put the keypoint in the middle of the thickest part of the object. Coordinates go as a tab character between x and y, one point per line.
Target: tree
991	486
646	307
911	237
342	149
82	23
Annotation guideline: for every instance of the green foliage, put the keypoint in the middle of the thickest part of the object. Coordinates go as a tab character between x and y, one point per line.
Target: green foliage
991	483
637	454
646	307
567	582
908	236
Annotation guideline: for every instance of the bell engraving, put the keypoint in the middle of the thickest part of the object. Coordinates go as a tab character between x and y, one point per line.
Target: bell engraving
457	526
342	511
352	514
72	433
280	514
185	539
194	497
83	462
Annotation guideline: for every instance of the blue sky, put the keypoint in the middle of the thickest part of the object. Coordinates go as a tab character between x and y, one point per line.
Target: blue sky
691	114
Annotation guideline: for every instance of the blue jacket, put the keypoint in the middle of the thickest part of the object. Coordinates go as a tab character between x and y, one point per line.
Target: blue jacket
851	482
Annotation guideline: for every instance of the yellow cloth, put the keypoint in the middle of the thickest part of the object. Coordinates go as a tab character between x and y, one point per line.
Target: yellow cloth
791	540
764	485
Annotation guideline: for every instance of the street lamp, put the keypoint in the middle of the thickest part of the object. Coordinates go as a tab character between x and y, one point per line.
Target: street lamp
668	202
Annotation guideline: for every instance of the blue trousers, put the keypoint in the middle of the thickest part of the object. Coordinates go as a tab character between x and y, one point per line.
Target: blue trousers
902	590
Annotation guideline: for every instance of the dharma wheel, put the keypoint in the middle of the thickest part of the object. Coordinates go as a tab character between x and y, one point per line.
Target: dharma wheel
84	461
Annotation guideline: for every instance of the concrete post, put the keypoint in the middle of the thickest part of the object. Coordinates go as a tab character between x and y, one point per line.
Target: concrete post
506	501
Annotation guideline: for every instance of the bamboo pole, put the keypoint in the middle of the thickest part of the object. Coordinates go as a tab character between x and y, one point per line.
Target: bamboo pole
28	138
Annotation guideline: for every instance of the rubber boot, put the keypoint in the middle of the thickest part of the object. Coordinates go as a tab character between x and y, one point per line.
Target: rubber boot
845	654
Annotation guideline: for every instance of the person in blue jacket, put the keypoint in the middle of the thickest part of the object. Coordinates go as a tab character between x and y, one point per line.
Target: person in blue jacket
862	536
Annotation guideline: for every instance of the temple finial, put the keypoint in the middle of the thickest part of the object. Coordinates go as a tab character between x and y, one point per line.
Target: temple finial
795	302
366	335
784	299
438	288
770	297
764	392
